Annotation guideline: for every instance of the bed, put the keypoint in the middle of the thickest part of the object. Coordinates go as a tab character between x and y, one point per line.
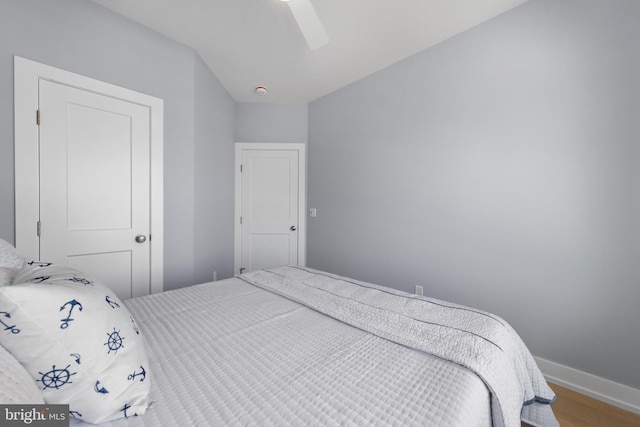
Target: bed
296	346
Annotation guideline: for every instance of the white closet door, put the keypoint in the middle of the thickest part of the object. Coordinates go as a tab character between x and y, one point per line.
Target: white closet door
95	186
270	208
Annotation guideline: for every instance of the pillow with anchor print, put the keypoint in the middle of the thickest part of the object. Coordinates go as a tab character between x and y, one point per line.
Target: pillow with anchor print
77	341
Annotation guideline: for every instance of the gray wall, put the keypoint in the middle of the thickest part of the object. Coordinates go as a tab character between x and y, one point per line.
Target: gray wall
85	38
214	177
272	123
498	169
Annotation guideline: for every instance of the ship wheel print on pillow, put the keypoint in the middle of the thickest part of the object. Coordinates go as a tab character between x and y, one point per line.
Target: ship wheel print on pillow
56	378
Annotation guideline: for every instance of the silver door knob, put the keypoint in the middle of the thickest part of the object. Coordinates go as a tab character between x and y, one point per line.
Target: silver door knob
293	228
141	238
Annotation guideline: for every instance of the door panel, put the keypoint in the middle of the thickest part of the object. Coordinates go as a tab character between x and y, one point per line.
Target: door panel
94	186
103	135
269	250
270	187
270	192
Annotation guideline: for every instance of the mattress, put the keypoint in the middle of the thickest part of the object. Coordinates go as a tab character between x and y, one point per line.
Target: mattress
230	353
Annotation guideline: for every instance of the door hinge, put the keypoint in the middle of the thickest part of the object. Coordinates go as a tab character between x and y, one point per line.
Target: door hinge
240	168
240	220
38	117
242	269
38	228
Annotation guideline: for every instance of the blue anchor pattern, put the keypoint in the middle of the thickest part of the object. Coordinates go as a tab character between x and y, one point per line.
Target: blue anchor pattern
40	279
81	280
135	327
75	414
142	374
114	342
7	327
76	357
99	389
124	410
56	378
40	264
65	322
111	302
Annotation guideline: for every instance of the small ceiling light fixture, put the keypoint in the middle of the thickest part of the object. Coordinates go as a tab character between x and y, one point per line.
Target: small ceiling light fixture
261	90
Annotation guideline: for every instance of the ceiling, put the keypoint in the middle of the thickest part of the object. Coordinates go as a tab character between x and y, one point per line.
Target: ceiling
249	43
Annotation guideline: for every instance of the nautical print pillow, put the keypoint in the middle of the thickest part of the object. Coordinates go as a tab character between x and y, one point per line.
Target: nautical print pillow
38	272
77	341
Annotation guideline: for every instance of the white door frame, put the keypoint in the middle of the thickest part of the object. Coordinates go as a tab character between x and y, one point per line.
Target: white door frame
27	193
302	196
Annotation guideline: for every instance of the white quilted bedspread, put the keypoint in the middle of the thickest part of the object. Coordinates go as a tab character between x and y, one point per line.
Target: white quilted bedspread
230	353
480	341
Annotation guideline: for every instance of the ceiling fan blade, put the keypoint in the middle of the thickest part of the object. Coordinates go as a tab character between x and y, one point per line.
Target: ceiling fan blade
309	23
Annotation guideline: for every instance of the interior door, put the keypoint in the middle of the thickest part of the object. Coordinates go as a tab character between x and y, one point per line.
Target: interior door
95	186
270	208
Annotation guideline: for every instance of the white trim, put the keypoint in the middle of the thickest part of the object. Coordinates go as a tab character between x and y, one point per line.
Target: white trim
302	199
26	76
620	395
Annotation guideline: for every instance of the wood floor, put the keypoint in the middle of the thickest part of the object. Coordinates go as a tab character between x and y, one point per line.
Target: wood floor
577	410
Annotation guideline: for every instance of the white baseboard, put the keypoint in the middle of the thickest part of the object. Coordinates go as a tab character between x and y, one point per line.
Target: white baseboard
620	395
